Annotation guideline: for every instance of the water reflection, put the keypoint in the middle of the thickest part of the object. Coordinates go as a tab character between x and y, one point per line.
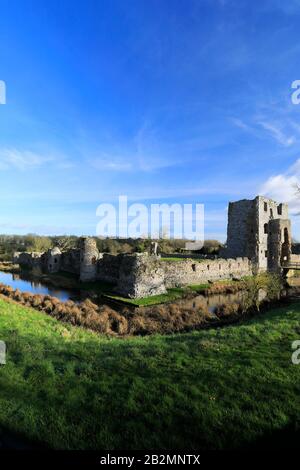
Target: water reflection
19	281
200	302
210	302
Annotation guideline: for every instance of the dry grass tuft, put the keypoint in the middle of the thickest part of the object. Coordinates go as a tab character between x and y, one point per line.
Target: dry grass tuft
162	319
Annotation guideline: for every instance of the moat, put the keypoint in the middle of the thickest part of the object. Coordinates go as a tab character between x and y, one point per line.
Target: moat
24	283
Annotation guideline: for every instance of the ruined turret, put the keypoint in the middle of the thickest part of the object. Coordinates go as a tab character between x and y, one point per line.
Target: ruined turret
254	231
89	255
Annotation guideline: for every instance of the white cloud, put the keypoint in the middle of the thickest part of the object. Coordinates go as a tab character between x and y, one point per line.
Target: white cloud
283	187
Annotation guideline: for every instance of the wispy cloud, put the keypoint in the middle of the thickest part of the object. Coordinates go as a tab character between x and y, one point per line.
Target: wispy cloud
144	152
273	130
111	163
21	160
277	133
241	124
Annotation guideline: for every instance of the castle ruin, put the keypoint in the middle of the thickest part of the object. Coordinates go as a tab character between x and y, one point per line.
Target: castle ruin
258	240
259	229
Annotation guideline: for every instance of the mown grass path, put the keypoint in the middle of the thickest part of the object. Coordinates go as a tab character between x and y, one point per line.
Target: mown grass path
220	388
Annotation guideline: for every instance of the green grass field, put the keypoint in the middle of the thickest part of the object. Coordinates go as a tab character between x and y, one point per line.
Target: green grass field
218	388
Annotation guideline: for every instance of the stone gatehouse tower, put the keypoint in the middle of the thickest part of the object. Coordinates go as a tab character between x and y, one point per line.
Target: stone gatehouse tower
259	229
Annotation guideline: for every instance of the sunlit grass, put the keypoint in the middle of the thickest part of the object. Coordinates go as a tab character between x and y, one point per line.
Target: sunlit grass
219	388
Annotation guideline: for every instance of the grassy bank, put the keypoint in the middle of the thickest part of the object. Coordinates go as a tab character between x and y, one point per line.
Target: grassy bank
219	388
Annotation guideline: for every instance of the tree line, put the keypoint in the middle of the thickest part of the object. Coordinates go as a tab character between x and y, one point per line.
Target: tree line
38	243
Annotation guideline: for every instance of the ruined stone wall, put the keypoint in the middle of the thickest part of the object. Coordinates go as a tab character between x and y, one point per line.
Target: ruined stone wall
258	239
141	276
241	229
70	261
279	244
108	267
267	211
53	260
29	260
189	272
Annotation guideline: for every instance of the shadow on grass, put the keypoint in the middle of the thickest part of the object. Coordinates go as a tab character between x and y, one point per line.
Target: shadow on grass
169	392
16	441
286	438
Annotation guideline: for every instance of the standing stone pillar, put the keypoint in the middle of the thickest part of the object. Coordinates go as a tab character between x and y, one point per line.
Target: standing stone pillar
154	248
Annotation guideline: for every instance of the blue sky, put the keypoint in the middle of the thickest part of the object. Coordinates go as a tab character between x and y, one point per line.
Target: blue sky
159	100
